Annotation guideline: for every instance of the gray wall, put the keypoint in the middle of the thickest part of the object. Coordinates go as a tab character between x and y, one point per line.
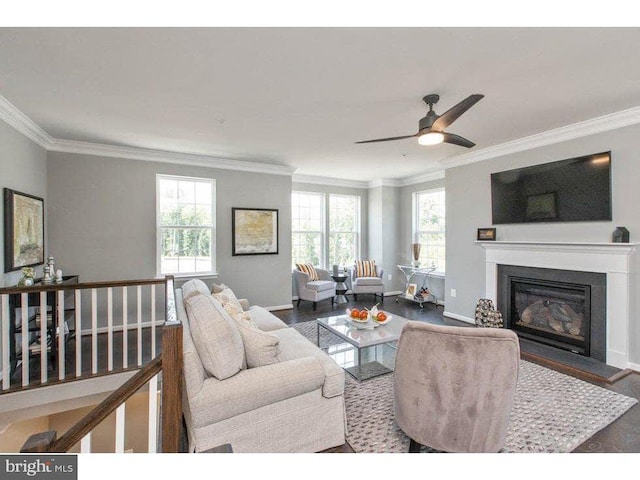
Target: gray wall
435	284
468	202
102	222
23	167
384	221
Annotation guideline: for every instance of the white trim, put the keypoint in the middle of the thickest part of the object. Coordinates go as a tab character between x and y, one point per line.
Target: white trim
118	328
423	177
385	182
334	182
634	366
18	120
149	155
592	126
393	293
288	306
459	317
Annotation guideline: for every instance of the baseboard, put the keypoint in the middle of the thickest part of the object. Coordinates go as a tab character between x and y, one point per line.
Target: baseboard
279	307
459	317
391	294
118	328
634	366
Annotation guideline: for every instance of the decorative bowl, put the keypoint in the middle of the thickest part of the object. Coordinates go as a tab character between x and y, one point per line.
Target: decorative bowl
388	319
359	320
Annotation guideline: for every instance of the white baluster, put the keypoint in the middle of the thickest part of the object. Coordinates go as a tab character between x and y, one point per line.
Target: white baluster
153	321
44	323
120	413
109	328
125	328
78	327
139	325
94	330
25	338
85	443
153	415
61	335
6	360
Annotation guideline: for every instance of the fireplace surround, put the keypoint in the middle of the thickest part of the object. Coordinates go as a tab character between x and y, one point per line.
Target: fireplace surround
612	259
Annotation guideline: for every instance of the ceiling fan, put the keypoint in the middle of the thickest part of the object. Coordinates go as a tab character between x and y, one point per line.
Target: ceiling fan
431	128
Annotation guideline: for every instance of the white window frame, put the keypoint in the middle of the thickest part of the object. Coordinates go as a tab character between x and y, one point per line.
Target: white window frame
323	221
415	233
212	182
358	226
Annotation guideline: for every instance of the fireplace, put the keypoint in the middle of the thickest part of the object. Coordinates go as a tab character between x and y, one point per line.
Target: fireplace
561	308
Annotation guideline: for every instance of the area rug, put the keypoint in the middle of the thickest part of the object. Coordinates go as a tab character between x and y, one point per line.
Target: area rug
552	412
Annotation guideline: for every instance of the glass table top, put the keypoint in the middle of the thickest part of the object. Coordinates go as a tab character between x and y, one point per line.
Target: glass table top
364	334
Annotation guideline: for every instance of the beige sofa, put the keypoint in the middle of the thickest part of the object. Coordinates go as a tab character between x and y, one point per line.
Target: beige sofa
293	405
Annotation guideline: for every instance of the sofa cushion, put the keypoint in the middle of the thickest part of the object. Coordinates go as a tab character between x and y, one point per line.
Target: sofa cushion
260	348
194	287
368	281
216	337
265	320
294	345
321	285
227	296
239	314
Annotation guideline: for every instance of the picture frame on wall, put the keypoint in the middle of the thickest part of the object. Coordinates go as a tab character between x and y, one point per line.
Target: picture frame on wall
486	234
254	231
23	230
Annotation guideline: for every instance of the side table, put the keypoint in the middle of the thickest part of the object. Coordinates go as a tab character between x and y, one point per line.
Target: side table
341	288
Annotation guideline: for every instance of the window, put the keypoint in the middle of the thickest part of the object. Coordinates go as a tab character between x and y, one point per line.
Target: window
325	229
186	225
429	227
307	228
344	229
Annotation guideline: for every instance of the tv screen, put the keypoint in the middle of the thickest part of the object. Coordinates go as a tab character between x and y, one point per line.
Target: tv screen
573	190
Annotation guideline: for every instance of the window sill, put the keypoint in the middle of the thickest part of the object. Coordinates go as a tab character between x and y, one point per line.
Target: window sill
190	275
437	274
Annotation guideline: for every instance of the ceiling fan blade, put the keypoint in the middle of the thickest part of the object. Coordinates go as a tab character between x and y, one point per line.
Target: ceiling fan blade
451	115
388	139
457	140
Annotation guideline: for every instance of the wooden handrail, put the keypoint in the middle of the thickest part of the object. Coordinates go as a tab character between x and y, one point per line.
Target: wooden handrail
54	287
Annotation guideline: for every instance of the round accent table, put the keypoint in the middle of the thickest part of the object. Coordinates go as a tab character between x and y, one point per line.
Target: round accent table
341	288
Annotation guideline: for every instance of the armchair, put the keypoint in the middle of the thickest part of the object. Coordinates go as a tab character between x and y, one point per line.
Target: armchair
373	284
454	386
314	290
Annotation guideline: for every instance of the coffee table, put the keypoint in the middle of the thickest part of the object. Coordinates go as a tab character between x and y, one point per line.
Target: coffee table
368	349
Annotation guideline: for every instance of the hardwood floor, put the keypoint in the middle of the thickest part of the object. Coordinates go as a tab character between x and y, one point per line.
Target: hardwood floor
623	435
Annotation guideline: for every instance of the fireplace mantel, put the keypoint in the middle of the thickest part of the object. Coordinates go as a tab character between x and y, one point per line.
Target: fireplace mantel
613	259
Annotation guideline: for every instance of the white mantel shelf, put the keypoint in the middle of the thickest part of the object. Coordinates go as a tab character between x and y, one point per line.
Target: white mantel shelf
613	259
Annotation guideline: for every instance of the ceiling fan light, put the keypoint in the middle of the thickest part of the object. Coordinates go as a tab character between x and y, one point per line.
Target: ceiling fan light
431	138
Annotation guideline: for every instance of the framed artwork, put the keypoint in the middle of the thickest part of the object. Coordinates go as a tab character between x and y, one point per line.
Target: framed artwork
254	231
411	290
485	234
23	230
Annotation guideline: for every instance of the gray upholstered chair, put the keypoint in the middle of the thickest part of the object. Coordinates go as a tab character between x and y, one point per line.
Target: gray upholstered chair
454	386
314	290
373	285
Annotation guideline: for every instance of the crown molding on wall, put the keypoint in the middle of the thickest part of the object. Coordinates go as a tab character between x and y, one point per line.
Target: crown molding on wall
134	153
593	126
18	120
334	182
423	177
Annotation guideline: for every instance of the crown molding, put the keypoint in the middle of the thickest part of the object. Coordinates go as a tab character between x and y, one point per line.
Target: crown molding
593	126
424	177
333	182
385	182
148	155
18	120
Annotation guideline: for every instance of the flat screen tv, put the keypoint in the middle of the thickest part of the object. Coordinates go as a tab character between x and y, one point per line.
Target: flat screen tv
573	190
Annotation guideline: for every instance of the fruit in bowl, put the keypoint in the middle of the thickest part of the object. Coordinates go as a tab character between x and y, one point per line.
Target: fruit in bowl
382	317
358	315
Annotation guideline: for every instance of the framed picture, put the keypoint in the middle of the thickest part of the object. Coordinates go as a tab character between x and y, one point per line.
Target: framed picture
23	230
411	290
542	207
486	234
255	231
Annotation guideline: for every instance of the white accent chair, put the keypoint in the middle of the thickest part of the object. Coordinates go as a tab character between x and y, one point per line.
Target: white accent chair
314	290
373	285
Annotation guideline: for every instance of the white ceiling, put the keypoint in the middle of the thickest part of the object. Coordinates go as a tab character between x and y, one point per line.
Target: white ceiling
302	96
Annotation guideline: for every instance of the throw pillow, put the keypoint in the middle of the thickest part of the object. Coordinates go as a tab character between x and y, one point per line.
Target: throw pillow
216	337
260	348
215	288
309	269
239	314
227	296
194	287
365	268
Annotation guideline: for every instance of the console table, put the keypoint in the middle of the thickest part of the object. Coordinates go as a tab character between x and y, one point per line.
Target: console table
415	296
